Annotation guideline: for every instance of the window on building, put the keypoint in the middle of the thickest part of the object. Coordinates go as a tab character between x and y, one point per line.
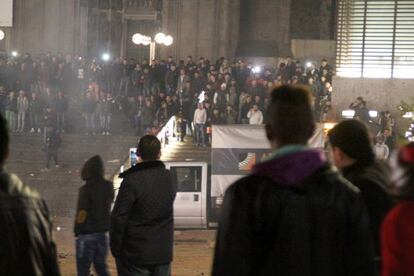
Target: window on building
375	39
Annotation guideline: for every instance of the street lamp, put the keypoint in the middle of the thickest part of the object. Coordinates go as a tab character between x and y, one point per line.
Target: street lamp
2	35
160	38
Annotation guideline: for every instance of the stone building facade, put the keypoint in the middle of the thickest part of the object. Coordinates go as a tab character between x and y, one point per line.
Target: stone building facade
209	28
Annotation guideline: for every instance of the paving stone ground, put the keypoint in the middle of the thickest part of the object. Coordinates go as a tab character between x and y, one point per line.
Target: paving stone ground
193	250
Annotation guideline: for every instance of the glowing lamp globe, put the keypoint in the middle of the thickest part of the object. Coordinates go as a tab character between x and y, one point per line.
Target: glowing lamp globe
168	40
137	38
2	34
146	40
160	38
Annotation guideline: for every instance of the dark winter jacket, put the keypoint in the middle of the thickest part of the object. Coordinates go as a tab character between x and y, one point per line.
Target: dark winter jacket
142	221
94	200
26	243
293	216
373	182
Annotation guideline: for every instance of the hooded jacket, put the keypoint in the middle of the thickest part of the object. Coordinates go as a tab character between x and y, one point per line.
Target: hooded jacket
293	216
94	200
26	243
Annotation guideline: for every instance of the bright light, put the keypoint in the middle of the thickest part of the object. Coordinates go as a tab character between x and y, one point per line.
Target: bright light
146	40
373	113
168	40
106	57
408	134
349	113
328	126
137	38
14	53
201	97
160	38
2	34
408	115
257	69
308	64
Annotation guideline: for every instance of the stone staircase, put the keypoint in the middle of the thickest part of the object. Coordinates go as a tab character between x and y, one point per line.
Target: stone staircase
59	186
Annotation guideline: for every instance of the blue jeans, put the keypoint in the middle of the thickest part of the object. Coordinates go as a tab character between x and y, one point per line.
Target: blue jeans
200	135
92	248
125	269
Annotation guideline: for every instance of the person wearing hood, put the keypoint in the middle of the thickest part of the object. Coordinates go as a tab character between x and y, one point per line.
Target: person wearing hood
354	156
93	218
293	215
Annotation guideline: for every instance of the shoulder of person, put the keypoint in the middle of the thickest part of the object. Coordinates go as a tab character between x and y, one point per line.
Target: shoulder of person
142	167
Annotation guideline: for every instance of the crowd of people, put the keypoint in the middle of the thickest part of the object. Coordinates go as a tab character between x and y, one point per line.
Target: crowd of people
293	215
35	91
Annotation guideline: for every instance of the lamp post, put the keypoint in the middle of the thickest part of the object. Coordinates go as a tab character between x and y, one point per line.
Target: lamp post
160	38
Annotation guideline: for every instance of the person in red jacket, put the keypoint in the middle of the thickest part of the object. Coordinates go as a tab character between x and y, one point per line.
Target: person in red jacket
397	233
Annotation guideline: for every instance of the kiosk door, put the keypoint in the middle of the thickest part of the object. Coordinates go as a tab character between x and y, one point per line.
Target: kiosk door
191	200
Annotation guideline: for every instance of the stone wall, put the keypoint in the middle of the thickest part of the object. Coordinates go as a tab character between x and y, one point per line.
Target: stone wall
45	25
380	94
206	28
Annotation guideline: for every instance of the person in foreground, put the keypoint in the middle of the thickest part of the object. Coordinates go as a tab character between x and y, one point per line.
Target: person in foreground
26	243
397	231
293	215
353	155
92	218
142	221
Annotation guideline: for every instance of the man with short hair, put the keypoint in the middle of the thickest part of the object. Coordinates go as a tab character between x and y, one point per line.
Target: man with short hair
293	215
26	243
142	221
199	120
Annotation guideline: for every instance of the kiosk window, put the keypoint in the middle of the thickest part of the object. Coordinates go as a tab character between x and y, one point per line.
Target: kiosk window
188	178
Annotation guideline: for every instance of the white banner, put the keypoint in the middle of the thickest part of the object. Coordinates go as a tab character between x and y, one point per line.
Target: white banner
6	13
253	137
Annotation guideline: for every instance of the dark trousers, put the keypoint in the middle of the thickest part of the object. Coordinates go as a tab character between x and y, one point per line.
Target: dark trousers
51	154
125	269
92	248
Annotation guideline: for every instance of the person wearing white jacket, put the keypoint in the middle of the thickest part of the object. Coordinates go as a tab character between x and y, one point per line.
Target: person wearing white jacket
199	120
255	116
22	107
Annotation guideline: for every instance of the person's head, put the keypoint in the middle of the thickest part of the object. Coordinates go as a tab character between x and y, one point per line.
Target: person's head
216	112
149	148
182	72
289	116
21	93
200	105
379	139
93	169
324	62
255	107
387	132
34	95
60	94
351	143
4	141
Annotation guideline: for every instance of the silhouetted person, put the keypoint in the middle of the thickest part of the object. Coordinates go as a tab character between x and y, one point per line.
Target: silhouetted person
142	221
26	243
93	218
353	154
293	215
